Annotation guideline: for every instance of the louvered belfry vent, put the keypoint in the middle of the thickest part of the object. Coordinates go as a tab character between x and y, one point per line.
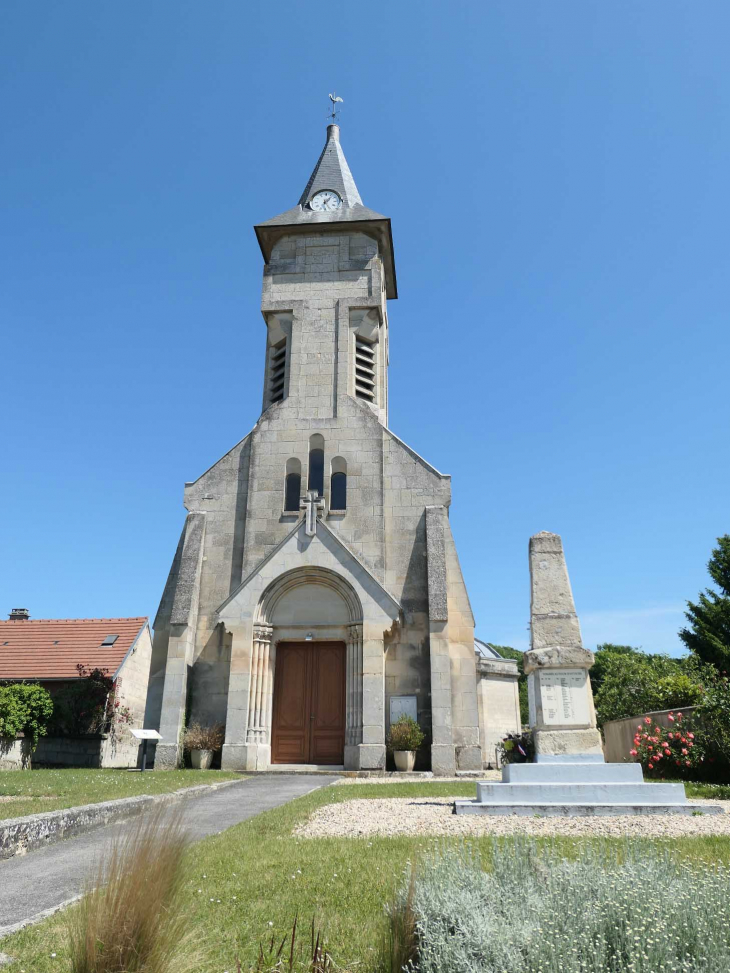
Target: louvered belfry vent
277	372
364	369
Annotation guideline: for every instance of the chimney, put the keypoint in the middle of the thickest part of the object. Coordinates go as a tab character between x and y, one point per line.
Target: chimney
19	615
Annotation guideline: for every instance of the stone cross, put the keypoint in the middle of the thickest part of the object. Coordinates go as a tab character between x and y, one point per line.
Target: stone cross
313	503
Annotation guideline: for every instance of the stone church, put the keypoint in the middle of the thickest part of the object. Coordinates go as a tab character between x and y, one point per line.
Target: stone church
316	591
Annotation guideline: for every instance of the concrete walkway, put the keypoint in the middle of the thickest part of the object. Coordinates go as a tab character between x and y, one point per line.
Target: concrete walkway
36	884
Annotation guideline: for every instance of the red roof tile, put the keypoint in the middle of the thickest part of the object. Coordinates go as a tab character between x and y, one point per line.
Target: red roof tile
51	648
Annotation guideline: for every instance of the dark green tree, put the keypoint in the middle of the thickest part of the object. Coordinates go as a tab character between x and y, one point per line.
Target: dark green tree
708	634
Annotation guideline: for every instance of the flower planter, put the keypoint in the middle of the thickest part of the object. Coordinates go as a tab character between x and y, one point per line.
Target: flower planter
405	760
201	759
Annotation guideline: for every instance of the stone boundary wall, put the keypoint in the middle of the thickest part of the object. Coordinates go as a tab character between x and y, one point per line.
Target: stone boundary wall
13	754
618	735
93	751
19	835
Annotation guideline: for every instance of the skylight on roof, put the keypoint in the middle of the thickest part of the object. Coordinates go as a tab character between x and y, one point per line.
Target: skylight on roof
110	640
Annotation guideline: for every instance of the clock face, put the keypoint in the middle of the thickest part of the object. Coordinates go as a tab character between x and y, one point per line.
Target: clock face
325	201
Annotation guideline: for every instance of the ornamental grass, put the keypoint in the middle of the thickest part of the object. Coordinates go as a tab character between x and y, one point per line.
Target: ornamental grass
132	918
627	909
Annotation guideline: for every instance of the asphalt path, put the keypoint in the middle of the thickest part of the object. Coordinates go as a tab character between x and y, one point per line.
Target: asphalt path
38	883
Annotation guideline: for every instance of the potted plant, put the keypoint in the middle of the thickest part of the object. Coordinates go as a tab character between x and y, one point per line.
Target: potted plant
404	738
202	742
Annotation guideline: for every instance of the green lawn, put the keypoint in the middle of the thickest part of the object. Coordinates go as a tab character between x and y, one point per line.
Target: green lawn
250	881
33	791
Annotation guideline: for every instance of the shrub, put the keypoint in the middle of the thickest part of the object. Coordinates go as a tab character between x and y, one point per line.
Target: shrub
603	654
405	734
633	684
517	748
612	908
712	718
676	751
199	737
24	708
133	918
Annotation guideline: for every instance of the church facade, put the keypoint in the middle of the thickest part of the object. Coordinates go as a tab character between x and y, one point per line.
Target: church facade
316	590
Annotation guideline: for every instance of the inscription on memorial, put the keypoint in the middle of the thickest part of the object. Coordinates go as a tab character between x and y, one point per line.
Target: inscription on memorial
564	698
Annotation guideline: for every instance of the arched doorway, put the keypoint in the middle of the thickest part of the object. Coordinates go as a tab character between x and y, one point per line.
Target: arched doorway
311	619
308	725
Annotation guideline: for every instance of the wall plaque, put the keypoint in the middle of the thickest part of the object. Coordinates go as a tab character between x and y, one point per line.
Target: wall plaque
564	698
403	706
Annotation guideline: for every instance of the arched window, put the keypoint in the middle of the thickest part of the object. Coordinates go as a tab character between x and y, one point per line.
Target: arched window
293	485
316	464
338	484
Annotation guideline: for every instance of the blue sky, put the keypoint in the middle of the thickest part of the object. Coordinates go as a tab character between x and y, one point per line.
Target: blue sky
557	177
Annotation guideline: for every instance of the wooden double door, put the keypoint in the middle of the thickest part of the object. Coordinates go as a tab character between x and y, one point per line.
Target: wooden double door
308	725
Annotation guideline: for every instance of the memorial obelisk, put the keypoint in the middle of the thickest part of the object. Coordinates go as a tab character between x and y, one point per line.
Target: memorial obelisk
569	775
562	715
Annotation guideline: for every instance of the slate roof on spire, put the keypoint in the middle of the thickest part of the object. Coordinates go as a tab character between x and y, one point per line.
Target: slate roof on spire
332	172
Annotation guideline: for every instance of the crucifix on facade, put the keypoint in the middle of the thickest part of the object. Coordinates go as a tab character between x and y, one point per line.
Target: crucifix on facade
313	504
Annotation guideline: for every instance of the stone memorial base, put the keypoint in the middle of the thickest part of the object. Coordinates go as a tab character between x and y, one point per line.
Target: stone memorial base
581	785
574	745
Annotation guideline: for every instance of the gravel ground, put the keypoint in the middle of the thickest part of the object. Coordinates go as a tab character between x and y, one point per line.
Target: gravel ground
386	817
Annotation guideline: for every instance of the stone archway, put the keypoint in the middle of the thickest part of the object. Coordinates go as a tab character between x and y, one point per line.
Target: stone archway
312	604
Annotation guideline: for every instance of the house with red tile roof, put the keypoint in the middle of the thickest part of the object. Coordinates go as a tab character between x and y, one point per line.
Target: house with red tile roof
58	651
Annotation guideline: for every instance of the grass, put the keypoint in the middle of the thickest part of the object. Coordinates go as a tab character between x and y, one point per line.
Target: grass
33	791
716	792
251	881
114	928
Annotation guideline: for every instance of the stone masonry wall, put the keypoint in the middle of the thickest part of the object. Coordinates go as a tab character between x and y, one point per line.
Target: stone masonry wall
320	285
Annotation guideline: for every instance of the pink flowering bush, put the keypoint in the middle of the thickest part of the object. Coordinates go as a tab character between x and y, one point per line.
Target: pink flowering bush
666	752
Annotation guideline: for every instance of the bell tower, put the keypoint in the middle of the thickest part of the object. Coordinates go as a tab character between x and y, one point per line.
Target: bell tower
316	590
329	272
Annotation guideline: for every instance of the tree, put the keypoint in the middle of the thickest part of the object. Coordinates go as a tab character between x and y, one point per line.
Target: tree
604	652
24	708
708	635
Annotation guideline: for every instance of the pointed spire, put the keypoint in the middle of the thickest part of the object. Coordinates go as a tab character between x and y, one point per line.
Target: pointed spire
332	172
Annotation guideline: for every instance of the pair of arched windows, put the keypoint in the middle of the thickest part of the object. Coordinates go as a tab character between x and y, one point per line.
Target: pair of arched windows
315	480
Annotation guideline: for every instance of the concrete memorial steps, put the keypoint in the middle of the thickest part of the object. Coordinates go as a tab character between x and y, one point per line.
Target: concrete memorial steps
567	810
555	788
575	772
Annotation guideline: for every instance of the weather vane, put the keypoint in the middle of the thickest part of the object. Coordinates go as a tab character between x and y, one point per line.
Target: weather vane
335	110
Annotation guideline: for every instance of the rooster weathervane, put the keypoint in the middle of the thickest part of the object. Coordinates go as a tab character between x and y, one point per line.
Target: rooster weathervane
335	99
